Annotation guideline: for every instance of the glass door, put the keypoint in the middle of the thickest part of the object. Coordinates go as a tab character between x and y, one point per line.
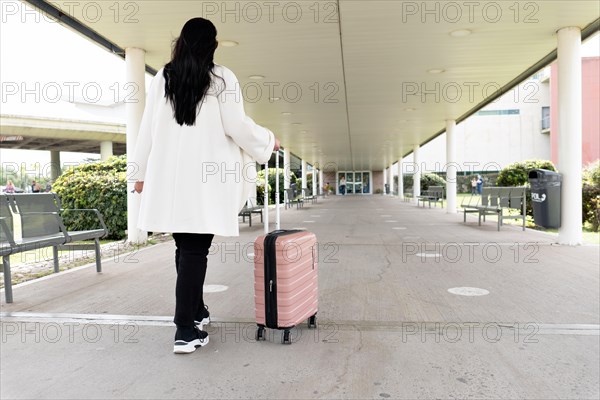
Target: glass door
349	183
358	182
366	183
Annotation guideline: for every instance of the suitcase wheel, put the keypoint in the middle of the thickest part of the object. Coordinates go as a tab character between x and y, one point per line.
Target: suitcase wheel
286	337
260	333
312	322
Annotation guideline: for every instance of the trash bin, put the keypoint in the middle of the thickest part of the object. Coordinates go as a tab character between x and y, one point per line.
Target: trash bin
545	197
387	188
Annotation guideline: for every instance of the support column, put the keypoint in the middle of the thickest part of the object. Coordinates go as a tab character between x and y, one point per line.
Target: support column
106	150
304	175
253	191
135	69
417	174
55	170
391	180
321	182
286	169
570	134
400	180
450	167
314	181
385	176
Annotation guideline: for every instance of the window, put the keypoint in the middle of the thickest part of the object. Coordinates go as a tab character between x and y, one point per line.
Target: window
545	118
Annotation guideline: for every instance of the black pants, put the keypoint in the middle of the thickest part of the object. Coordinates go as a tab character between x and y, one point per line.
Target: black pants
190	262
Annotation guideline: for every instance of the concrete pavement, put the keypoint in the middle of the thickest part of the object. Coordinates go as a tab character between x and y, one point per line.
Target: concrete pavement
388	327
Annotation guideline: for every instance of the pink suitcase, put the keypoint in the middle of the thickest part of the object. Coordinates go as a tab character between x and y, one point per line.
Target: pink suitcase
285	281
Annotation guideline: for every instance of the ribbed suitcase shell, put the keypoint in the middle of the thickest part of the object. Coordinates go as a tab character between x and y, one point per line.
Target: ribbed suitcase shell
296	278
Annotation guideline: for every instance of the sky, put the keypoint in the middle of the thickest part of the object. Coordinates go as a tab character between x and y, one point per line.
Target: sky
37	51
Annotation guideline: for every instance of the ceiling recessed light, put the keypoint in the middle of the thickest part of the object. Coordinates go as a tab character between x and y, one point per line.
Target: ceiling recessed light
274	98
228	43
296	123
410	109
461	33
436	71
256	77
286	113
302	131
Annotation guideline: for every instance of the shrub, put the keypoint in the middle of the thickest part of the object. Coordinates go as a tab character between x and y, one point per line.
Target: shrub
517	174
260	185
591	195
100	185
427	180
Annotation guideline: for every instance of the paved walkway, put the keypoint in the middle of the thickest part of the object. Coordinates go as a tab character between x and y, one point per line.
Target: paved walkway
388	326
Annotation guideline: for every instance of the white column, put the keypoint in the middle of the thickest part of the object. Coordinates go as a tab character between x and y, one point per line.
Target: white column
385	176
569	134
253	191
321	182
106	150
450	167
54	164
315	181
417	174
135	69
391	170
400	180
286	168
304	175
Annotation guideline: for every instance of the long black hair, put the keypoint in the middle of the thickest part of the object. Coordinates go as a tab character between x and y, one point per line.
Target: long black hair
189	74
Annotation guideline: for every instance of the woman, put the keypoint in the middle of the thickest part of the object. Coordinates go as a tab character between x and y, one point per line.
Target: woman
195	134
10	187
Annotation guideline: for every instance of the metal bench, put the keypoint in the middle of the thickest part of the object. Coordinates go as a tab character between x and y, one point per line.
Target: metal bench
307	197
290	197
435	194
494	200
251	208
42	226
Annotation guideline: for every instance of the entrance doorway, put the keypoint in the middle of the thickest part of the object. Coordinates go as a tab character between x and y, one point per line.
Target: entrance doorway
356	182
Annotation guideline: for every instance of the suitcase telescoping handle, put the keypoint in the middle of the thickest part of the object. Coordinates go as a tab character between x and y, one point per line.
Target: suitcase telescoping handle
266	200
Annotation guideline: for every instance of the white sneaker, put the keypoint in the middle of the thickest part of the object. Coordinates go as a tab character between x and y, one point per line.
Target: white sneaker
188	342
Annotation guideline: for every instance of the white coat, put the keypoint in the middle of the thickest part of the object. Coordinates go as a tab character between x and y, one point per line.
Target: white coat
197	178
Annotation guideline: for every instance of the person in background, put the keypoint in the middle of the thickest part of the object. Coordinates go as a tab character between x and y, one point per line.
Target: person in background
474	185
343	186
479	184
194	120
10	187
35	187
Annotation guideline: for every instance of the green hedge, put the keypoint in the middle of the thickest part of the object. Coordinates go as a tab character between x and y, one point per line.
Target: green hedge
100	185
427	180
260	185
517	174
591	195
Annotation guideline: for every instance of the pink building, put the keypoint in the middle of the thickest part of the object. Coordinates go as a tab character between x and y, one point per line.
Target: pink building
591	114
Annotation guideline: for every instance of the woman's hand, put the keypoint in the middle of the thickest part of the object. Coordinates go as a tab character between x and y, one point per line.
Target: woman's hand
277	145
139	186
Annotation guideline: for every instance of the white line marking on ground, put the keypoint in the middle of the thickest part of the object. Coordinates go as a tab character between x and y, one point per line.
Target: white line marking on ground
427	255
152	320
469	291
214	288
